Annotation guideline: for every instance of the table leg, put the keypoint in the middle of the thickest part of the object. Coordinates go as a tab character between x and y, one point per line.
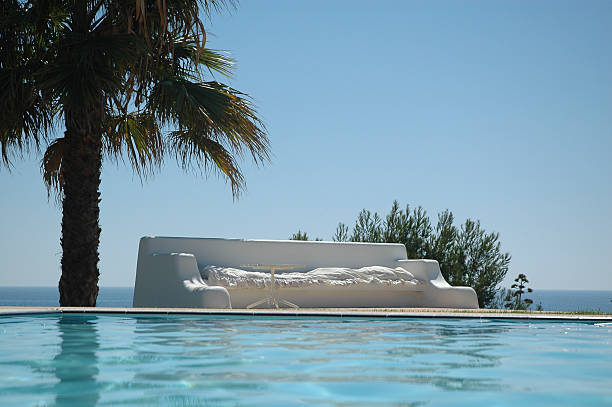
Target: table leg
256	303
272	298
292	305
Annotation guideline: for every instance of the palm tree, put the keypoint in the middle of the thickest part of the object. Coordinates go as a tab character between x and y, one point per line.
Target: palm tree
124	78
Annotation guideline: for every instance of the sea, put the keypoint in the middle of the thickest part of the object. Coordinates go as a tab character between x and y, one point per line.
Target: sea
551	300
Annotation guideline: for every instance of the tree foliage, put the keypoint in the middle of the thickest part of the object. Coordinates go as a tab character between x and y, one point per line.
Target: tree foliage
148	62
467	254
299	235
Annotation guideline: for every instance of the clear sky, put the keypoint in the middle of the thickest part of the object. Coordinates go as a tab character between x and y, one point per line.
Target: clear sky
497	110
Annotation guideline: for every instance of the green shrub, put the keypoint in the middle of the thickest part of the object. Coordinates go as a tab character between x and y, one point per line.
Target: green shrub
467	254
302	236
299	236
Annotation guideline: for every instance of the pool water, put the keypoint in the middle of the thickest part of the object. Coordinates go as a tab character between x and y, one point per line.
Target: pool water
148	360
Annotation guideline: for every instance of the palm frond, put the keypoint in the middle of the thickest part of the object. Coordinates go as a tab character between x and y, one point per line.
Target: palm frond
26	116
134	133
98	62
26	113
218	61
138	135
213	110
52	169
193	150
218	5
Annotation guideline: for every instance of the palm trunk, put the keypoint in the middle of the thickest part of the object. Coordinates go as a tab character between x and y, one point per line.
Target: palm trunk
82	162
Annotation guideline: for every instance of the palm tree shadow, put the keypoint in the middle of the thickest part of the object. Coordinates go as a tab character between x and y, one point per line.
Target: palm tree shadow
76	364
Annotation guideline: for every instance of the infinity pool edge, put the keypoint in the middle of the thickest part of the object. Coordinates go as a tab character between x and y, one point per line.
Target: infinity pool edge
318	312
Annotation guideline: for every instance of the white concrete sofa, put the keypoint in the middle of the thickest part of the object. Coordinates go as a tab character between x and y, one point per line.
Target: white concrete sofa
169	271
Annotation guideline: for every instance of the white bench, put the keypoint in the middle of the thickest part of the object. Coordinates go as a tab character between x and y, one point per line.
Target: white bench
168	274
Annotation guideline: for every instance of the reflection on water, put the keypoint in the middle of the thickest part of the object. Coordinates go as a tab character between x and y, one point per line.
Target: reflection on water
86	360
76	364
257	356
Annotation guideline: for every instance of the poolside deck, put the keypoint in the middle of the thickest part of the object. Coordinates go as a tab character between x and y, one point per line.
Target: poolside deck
324	312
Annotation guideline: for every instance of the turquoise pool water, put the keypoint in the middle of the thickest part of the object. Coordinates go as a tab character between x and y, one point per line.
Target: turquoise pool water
87	360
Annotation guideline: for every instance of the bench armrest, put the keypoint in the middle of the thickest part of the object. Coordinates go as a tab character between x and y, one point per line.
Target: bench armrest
173	280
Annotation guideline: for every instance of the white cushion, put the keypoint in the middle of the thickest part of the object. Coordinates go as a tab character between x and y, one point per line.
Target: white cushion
333	276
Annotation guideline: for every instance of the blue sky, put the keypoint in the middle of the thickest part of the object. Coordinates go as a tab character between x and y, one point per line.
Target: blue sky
496	110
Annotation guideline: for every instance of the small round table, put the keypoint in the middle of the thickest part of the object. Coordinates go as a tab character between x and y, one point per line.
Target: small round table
272	298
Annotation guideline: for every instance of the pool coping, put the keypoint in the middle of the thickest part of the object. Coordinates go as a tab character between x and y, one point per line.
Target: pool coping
319	312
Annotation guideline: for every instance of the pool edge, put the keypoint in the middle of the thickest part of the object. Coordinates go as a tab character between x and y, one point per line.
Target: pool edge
381	313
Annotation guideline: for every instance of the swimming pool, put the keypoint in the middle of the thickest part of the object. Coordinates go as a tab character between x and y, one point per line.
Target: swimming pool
142	360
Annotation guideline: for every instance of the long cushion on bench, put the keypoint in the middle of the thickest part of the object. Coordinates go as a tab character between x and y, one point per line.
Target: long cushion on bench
332	276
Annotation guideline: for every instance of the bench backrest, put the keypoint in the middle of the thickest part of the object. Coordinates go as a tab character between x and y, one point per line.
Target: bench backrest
238	252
